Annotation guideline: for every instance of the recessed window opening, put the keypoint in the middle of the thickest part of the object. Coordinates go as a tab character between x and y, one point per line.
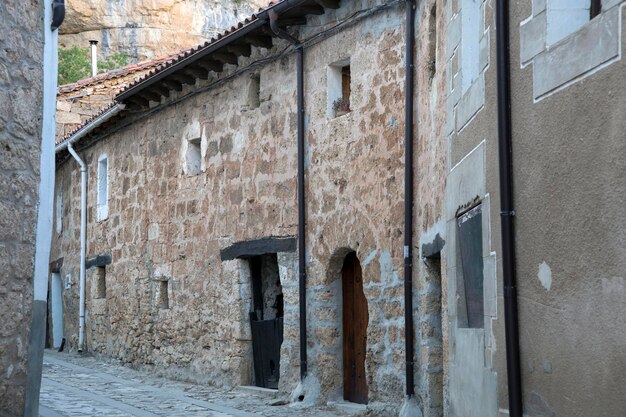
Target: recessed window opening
254	92
432	43
101	285
193	156
595	9
103	188
339	88
163	300
470	279
59	211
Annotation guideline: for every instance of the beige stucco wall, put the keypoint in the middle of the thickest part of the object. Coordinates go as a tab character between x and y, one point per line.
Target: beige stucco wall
569	182
569	237
21	85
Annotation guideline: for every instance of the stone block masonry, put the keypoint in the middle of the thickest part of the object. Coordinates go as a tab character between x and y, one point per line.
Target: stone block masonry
21	57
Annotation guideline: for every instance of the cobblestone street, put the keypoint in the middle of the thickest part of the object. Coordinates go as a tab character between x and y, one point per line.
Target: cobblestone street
75	386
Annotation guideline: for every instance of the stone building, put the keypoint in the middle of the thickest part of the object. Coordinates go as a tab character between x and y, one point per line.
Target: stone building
192	215
27	89
194	237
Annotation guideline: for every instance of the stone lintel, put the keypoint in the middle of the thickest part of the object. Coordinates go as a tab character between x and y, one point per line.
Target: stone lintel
433	249
256	247
100	260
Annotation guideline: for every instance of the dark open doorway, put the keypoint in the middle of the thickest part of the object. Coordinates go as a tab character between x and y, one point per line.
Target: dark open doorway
266	319
355	320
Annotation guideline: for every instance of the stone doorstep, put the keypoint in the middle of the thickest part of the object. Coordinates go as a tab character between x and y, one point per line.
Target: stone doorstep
348	407
264	392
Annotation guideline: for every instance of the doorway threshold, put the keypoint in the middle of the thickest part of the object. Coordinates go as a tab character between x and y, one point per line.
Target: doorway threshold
348	407
265	392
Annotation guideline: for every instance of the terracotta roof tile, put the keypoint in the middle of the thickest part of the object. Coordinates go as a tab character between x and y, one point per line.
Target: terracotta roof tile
157	65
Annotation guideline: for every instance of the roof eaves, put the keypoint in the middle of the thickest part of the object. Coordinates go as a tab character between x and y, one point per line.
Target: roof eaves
256	21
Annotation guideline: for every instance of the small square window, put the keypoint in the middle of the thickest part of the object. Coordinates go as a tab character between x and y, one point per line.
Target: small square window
103	188
339	88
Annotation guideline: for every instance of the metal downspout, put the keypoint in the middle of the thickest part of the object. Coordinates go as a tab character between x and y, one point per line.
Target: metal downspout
507	212
408	199
301	198
83	230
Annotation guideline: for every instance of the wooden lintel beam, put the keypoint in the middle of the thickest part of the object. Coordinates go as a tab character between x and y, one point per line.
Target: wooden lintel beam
242	49
184	78
329	4
260	41
173	84
150	95
292	21
309	9
198	72
139	101
210	65
164	91
225	57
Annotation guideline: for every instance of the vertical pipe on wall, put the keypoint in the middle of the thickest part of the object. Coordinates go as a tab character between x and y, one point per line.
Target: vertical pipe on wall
301	198
301	214
94	57
506	210
83	234
408	199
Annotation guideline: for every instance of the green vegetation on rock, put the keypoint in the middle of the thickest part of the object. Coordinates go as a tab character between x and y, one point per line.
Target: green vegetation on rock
75	64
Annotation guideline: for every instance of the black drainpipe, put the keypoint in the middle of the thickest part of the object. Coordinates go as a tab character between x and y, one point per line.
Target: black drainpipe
301	215
408	199
506	210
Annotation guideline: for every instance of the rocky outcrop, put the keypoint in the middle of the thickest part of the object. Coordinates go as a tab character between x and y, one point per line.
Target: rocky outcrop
145	29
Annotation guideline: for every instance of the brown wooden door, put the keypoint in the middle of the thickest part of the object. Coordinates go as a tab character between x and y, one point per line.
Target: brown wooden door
355	319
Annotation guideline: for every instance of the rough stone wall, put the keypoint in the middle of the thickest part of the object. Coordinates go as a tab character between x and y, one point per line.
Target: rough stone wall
21	57
166	225
430	173
146	29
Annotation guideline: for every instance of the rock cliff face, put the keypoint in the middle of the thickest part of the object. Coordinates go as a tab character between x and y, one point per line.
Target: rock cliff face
146	29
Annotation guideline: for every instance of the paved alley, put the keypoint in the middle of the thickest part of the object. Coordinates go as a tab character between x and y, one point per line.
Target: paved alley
75	386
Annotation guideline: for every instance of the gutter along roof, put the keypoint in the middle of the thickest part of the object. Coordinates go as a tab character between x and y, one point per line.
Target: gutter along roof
189	65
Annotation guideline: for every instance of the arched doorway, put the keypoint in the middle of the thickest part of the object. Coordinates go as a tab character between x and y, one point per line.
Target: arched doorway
355	320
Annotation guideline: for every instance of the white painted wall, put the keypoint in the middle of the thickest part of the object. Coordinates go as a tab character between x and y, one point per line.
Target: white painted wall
470	42
565	17
56	307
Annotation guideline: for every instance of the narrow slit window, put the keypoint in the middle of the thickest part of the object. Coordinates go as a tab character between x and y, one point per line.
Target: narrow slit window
163	296
345	86
254	92
59	211
470	245
103	188
193	157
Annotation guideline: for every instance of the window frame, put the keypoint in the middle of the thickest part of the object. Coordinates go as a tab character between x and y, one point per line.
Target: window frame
102	201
